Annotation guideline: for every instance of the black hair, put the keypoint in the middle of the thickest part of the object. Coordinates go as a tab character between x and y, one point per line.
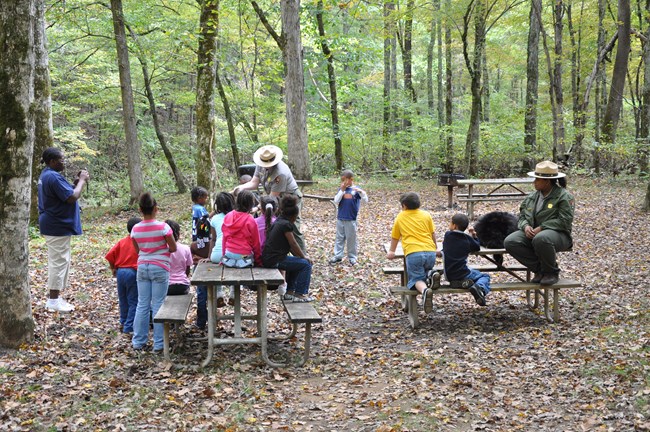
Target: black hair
269	206
559	181
461	221
245	201
347	174
147	203
224	202
176	228
410	200
289	207
50	154
198	192
132	222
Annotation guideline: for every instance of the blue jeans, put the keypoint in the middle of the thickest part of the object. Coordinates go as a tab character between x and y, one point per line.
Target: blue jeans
201	306
152	290
481	280
417	266
127	296
298	274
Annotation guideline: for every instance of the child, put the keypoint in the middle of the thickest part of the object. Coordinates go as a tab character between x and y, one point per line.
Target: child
123	260
455	248
200	223
348	199
200	248
154	242
224	204
241	241
269	207
415	228
180	264
280	241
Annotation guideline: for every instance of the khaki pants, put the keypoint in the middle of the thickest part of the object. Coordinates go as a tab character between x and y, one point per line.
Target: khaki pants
58	261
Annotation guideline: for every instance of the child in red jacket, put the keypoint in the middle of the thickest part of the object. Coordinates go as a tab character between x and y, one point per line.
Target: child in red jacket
123	260
241	238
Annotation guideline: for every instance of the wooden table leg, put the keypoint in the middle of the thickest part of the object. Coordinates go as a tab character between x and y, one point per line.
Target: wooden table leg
237	311
450	196
211	324
262	323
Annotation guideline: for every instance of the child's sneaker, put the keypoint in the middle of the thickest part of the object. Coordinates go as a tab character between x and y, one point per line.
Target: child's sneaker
427	299
478	294
58	305
433	279
282	289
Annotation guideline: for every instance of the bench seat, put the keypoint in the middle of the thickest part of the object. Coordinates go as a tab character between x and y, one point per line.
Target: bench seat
496	194
301	313
491	198
174	310
545	291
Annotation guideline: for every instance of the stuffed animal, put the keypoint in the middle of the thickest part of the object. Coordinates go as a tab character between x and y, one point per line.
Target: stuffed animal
493	228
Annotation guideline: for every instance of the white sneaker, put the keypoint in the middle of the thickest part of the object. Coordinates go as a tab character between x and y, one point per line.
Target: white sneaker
282	289
59	305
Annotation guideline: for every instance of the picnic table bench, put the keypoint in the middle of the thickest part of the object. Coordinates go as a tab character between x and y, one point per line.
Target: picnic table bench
174	310
301	313
500	189
534	292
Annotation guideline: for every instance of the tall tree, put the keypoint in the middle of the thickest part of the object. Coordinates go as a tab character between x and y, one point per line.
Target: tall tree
532	84
44	132
206	163
295	103
558	17
615	100
331	79
389	35
449	96
644	133
579	114
18	25
128	106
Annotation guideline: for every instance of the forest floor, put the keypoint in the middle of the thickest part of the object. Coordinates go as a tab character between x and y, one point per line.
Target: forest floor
495	368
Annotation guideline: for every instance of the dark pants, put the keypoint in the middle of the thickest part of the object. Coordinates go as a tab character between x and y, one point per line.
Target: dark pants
298	274
178	289
539	253
127	295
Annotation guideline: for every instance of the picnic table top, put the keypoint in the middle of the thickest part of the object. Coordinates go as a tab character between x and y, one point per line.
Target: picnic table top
212	273
514	180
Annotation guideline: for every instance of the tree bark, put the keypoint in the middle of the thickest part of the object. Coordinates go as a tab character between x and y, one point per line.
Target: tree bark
44	132
532	85
474	67
599	76
441	104
579	114
17	128
296	106
128	106
560	148
229	120
206	163
615	100
430	47
388	120
331	78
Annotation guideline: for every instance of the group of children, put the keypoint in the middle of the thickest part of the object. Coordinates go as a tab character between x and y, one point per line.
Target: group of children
150	263
415	229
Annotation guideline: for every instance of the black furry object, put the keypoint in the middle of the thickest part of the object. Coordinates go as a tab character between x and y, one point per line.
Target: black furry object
493	228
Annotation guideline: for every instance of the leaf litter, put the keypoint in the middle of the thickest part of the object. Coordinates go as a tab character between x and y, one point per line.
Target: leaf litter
466	368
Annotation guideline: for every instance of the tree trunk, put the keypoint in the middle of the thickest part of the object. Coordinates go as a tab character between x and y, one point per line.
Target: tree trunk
176	172
387	124
475	69
560	149
205	85
297	146
646	202
579	114
18	26
552	94
229	120
449	96
128	106
44	132
615	100
407	55
331	78
532	85
643	144
430	47
441	104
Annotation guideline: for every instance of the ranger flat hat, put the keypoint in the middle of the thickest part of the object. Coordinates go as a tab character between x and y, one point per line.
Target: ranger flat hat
546	170
268	156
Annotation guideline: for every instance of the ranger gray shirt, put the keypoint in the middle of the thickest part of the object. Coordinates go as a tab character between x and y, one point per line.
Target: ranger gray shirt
277	178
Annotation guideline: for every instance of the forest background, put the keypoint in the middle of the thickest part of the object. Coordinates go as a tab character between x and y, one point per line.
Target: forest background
410	84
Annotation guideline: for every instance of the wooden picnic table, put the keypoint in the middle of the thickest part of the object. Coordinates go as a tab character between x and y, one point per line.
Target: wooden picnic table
501	189
212	275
